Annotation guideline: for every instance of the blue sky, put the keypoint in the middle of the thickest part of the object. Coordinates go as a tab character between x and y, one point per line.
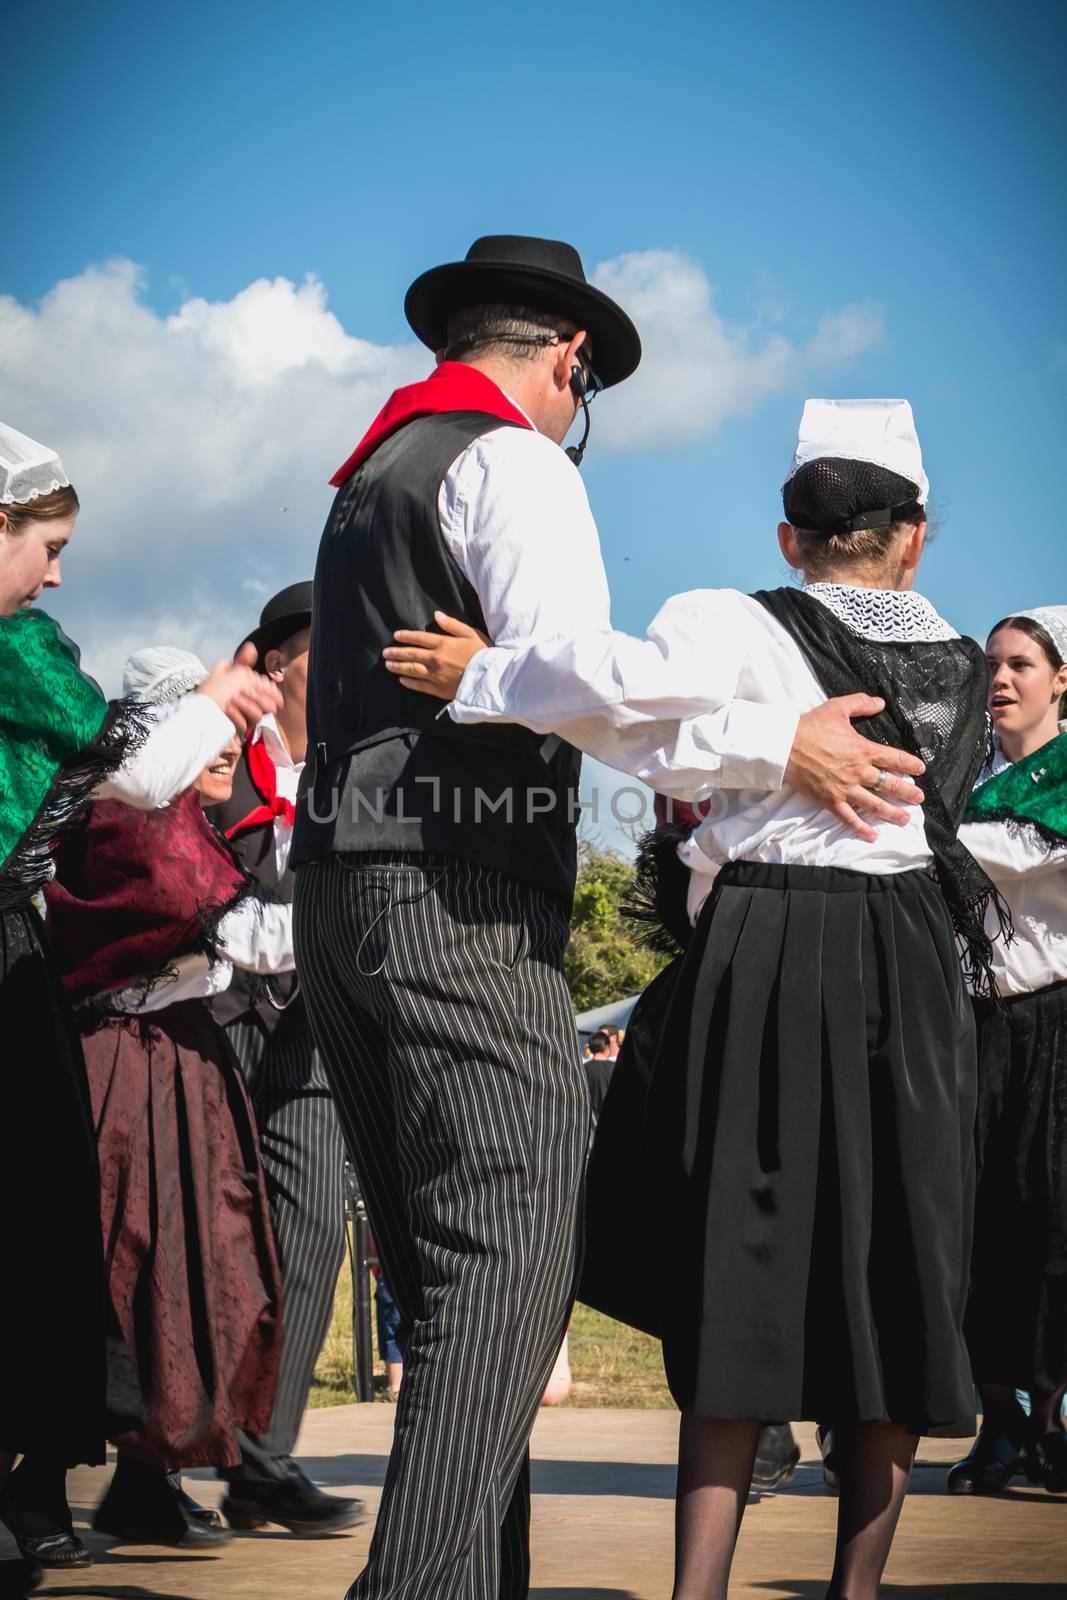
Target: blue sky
896	170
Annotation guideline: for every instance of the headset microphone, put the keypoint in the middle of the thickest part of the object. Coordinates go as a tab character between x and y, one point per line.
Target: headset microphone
576	451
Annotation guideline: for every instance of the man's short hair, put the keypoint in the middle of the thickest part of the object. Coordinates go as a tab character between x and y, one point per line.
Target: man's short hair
599	1044
515	332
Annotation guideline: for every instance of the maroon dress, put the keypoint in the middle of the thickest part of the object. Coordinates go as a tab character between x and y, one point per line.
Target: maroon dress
190	1255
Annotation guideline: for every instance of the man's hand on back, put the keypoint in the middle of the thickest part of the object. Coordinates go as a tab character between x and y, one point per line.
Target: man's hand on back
831	763
434	663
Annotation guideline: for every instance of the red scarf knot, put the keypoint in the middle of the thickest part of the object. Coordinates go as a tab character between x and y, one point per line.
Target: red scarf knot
264	775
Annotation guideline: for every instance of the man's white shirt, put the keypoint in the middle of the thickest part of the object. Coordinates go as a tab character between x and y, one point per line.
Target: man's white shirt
514	513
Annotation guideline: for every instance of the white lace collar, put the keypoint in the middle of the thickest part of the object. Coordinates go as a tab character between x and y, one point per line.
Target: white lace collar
886	616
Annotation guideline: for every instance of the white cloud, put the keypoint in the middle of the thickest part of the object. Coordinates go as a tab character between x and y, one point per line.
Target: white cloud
201	443
698	368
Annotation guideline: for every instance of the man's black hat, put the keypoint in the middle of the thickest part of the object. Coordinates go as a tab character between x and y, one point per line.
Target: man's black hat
544	274
286	614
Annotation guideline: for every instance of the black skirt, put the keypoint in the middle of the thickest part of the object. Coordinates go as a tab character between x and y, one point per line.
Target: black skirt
628	1221
66	1380
810	1129
1017	1316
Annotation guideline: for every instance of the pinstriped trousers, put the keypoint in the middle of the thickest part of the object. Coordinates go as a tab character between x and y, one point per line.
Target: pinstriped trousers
436	994
303	1162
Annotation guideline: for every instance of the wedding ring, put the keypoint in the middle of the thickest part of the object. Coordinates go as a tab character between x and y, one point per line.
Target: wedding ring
883	778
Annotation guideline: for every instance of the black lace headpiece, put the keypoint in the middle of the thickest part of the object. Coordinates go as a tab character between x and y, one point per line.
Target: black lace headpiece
836	495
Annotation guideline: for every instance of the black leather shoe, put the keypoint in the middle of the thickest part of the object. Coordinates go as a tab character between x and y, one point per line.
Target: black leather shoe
1048	1453
192	1508
777	1454
291	1500
831	1474
42	1542
163	1516
993	1462
56	1552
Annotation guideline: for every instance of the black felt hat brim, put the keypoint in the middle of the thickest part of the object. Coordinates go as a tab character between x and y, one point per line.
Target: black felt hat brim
272	635
437	294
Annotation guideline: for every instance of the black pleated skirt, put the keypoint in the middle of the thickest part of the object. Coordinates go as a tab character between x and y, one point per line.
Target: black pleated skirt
809	1131
66	1379
1017	1316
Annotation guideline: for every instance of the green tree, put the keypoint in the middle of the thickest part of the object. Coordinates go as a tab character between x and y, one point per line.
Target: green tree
605	959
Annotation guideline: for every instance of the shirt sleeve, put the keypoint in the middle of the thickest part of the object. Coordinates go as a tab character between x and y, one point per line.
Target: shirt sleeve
514	513
1007	853
185	737
664	708
258	936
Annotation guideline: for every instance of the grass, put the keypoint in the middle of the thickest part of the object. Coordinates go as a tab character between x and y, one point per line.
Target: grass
612	1365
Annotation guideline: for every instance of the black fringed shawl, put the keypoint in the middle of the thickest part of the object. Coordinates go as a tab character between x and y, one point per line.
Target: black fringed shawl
935	708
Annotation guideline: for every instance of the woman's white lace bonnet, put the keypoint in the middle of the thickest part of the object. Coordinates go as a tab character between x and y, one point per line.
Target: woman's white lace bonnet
27	469
160	673
1054	621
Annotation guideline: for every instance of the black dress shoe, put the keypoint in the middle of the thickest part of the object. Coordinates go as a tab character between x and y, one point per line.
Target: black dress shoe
149	1510
290	1500
777	1454
1048	1454
831	1471
992	1463
43	1542
191	1508
56	1552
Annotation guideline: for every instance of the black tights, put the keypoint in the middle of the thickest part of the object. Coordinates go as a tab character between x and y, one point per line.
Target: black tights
715	1459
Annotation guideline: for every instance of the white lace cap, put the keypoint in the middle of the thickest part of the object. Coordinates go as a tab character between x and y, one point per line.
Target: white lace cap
27	469
1054	621
160	674
879	431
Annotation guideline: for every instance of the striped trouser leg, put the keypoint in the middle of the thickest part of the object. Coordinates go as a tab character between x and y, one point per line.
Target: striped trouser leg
303	1161
436	994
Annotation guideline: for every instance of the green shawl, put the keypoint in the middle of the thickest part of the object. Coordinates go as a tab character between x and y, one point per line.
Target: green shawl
1030	795
59	739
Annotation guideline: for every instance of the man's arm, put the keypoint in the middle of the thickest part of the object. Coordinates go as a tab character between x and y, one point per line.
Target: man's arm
676	723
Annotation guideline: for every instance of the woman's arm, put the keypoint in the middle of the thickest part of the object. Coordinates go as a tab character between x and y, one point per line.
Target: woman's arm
258	936
187	735
1008	853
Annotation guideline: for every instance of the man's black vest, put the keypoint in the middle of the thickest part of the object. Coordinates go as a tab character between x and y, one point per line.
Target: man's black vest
271	998
387	768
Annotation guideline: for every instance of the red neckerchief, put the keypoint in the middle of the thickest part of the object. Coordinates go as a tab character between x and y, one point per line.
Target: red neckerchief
264	775
453	386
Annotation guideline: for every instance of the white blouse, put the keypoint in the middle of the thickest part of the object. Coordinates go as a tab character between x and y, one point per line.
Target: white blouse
1033	880
644	706
256	936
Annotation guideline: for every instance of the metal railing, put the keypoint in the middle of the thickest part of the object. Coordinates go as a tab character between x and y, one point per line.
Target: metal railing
361	1259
